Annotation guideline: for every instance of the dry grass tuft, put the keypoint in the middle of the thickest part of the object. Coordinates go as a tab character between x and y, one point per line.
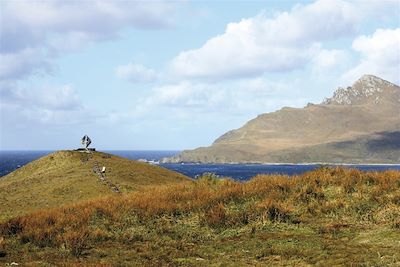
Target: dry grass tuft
215	216
276	211
2	247
76	241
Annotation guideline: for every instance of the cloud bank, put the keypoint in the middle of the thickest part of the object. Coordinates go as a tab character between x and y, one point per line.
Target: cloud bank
136	73
34	32
380	55
287	42
260	44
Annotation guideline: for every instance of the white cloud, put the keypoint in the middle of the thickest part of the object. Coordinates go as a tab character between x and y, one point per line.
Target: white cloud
55	98
330	63
259	44
244	97
59	26
99	19
289	41
22	63
136	73
45	105
46	97
185	95
329	59
68	42
380	55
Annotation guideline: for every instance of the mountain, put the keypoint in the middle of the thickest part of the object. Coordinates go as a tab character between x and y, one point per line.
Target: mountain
66	177
358	124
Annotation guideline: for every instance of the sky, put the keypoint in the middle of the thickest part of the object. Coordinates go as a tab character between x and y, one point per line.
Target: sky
173	75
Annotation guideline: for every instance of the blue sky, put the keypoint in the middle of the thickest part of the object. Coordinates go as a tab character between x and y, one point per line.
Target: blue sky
176	75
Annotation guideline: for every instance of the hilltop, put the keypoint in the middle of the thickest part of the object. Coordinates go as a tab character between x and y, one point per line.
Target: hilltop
66	177
327	217
358	124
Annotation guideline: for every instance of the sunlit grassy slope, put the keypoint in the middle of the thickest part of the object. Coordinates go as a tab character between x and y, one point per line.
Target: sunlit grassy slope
328	217
67	176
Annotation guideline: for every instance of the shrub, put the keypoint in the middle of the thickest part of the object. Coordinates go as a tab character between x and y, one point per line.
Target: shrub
207	178
76	241
389	214
310	192
99	235
364	207
2	247
131	237
11	227
242	217
40	237
334	228
215	216
276	211
396	199
332	206
364	210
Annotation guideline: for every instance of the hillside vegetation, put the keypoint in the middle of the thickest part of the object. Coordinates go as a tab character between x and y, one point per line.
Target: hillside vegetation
327	217
67	176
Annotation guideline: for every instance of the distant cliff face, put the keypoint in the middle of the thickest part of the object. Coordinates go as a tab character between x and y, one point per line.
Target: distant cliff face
359	124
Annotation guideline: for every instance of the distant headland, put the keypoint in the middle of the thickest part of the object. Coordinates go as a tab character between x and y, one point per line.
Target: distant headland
359	124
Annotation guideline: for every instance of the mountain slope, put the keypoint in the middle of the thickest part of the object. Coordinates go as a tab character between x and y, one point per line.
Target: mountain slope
67	176
370	107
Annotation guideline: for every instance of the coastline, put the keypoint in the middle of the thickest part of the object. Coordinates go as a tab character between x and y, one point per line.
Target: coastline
283	163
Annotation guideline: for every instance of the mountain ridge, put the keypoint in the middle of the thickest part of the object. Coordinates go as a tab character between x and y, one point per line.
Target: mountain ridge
368	86
355	115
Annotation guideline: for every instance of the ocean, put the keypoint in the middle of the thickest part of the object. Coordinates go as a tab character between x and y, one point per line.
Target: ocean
12	160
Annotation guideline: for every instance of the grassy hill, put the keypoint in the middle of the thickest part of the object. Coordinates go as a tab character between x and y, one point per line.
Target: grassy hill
67	176
327	217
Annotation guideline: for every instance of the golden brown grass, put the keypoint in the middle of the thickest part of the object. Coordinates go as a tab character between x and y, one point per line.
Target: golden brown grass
319	207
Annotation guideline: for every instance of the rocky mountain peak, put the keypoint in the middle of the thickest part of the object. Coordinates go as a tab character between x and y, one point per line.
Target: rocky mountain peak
368	88
370	82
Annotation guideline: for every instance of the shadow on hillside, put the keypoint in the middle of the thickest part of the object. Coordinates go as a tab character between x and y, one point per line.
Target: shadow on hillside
386	140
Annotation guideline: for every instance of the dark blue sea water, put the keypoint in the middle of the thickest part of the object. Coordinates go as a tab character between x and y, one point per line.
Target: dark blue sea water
11	160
